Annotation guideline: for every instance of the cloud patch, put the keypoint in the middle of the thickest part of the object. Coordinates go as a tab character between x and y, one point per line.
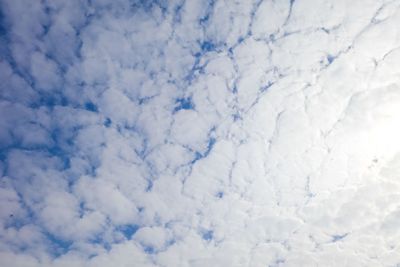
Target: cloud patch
199	133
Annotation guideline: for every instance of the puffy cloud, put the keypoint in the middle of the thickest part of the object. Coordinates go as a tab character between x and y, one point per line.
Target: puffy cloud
199	133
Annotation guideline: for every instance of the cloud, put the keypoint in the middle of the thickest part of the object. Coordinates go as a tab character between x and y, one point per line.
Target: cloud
199	133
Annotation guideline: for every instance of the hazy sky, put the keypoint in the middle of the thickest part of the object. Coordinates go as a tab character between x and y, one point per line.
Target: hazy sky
199	133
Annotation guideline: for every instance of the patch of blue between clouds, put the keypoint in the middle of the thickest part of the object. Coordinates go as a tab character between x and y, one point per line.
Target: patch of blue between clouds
4	48
205	19
91	107
210	145
58	150
236	116
145	100
17	223
148	6
208	235
107	122
149	249
3	29
330	59
266	87
128	230
58	246
50	101
178	13
184	103
336	238
207	46
99	240
149	185
220	194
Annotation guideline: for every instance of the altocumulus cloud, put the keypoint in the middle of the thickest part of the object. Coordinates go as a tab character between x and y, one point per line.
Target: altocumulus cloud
199	133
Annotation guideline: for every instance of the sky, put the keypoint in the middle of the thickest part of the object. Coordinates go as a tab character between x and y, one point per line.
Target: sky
199	133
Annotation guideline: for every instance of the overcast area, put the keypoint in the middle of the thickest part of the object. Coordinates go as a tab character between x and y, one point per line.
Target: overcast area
199	133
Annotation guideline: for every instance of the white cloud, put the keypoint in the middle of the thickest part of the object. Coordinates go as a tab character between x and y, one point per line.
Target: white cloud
192	133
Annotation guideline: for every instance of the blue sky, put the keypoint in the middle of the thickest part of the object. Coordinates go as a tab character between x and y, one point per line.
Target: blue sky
199	133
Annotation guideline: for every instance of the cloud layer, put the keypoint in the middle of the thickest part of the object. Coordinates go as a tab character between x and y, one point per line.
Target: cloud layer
199	133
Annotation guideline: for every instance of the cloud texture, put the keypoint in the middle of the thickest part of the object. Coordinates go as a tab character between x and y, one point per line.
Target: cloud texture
199	133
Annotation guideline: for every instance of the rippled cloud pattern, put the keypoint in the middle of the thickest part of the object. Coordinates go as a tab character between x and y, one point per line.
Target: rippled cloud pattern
199	133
